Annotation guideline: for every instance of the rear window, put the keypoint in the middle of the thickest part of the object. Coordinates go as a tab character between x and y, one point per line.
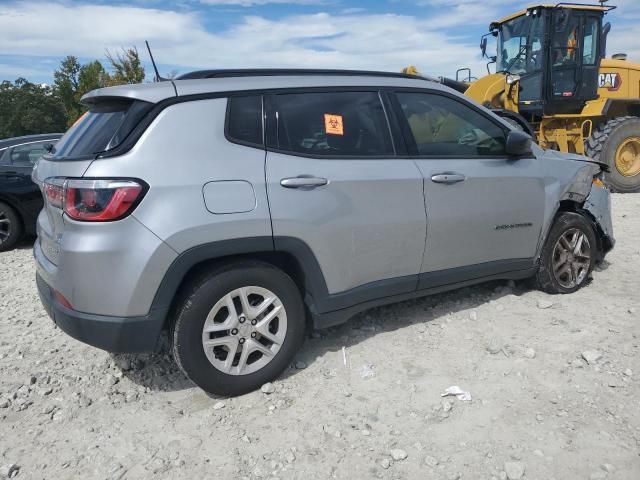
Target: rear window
244	120
101	129
337	124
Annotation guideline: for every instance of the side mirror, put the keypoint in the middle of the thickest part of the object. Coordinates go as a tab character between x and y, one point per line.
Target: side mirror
483	46
518	144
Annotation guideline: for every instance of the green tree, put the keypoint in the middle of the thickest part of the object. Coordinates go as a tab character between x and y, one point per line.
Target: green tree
72	80
66	81
91	76
126	67
29	108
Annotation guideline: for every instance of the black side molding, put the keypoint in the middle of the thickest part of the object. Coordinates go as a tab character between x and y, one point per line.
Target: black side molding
329	309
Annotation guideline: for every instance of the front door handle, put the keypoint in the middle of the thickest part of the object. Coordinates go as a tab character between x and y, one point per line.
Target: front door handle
448	178
303	182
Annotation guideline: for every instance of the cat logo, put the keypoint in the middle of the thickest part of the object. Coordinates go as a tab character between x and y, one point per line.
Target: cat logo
610	81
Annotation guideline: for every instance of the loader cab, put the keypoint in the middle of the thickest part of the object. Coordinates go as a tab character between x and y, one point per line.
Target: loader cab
553	54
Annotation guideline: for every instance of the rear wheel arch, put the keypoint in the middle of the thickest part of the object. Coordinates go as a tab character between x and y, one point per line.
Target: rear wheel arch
291	255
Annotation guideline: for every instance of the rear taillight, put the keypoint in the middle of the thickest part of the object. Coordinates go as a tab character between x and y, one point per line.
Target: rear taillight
94	200
54	192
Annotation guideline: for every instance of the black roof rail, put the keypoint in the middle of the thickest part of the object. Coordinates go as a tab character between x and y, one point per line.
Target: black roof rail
272	72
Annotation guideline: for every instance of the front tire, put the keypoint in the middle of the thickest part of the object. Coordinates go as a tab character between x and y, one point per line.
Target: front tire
238	327
10	227
568	256
617	143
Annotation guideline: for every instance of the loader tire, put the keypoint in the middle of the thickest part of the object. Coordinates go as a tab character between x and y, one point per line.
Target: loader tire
617	143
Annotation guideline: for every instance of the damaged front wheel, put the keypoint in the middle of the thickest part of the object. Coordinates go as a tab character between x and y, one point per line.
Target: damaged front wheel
568	256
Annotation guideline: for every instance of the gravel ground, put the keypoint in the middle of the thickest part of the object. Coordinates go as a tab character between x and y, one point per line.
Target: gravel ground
554	380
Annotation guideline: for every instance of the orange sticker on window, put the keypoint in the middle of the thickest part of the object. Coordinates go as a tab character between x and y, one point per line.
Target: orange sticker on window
333	124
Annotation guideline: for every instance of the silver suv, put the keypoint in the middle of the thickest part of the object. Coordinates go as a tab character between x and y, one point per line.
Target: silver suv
237	209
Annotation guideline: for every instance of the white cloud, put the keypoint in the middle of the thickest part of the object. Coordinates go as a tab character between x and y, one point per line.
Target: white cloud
250	3
384	42
322	40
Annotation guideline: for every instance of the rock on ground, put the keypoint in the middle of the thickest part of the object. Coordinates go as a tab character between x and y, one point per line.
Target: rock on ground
514	470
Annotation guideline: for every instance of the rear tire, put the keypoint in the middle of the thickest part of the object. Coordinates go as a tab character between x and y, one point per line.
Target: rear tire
617	143
10	227
209	338
568	256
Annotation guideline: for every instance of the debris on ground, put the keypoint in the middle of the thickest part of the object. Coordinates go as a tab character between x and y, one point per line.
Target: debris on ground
457	392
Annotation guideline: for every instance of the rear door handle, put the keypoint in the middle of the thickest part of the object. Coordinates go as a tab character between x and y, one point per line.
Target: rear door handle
303	182
448	178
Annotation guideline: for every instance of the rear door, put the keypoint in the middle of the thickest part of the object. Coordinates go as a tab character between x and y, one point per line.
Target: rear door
484	210
335	183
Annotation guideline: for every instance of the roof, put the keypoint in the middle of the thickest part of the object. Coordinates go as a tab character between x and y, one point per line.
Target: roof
10	142
218	81
573	6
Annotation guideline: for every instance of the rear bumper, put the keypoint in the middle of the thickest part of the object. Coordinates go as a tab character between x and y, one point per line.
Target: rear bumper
113	334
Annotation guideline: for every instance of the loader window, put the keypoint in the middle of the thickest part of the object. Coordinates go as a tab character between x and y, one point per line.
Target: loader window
442	126
520	47
565	39
591	38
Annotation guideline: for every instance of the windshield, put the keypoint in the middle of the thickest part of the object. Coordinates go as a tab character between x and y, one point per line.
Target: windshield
520	45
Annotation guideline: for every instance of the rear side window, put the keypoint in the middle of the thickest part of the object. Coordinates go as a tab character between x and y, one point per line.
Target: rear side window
102	128
442	126
244	120
338	124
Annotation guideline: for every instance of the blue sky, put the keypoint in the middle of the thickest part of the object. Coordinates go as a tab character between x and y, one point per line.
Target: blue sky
437	36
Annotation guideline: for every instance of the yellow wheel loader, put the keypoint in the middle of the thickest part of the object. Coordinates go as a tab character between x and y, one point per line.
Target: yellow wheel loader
553	80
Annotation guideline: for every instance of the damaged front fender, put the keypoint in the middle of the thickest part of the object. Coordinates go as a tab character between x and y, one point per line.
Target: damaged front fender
598	205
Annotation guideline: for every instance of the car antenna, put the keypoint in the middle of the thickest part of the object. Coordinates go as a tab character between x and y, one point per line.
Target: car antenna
157	78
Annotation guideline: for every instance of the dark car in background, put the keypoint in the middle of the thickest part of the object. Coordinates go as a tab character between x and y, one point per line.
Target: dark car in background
20	198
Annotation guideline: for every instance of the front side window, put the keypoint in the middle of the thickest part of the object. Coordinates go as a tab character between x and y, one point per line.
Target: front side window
334	124
442	126
27	155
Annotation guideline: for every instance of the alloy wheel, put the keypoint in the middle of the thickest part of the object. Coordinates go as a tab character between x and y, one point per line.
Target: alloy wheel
244	330
5	226
571	258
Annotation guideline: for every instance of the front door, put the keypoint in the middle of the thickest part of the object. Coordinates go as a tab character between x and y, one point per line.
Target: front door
484	210
335	183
